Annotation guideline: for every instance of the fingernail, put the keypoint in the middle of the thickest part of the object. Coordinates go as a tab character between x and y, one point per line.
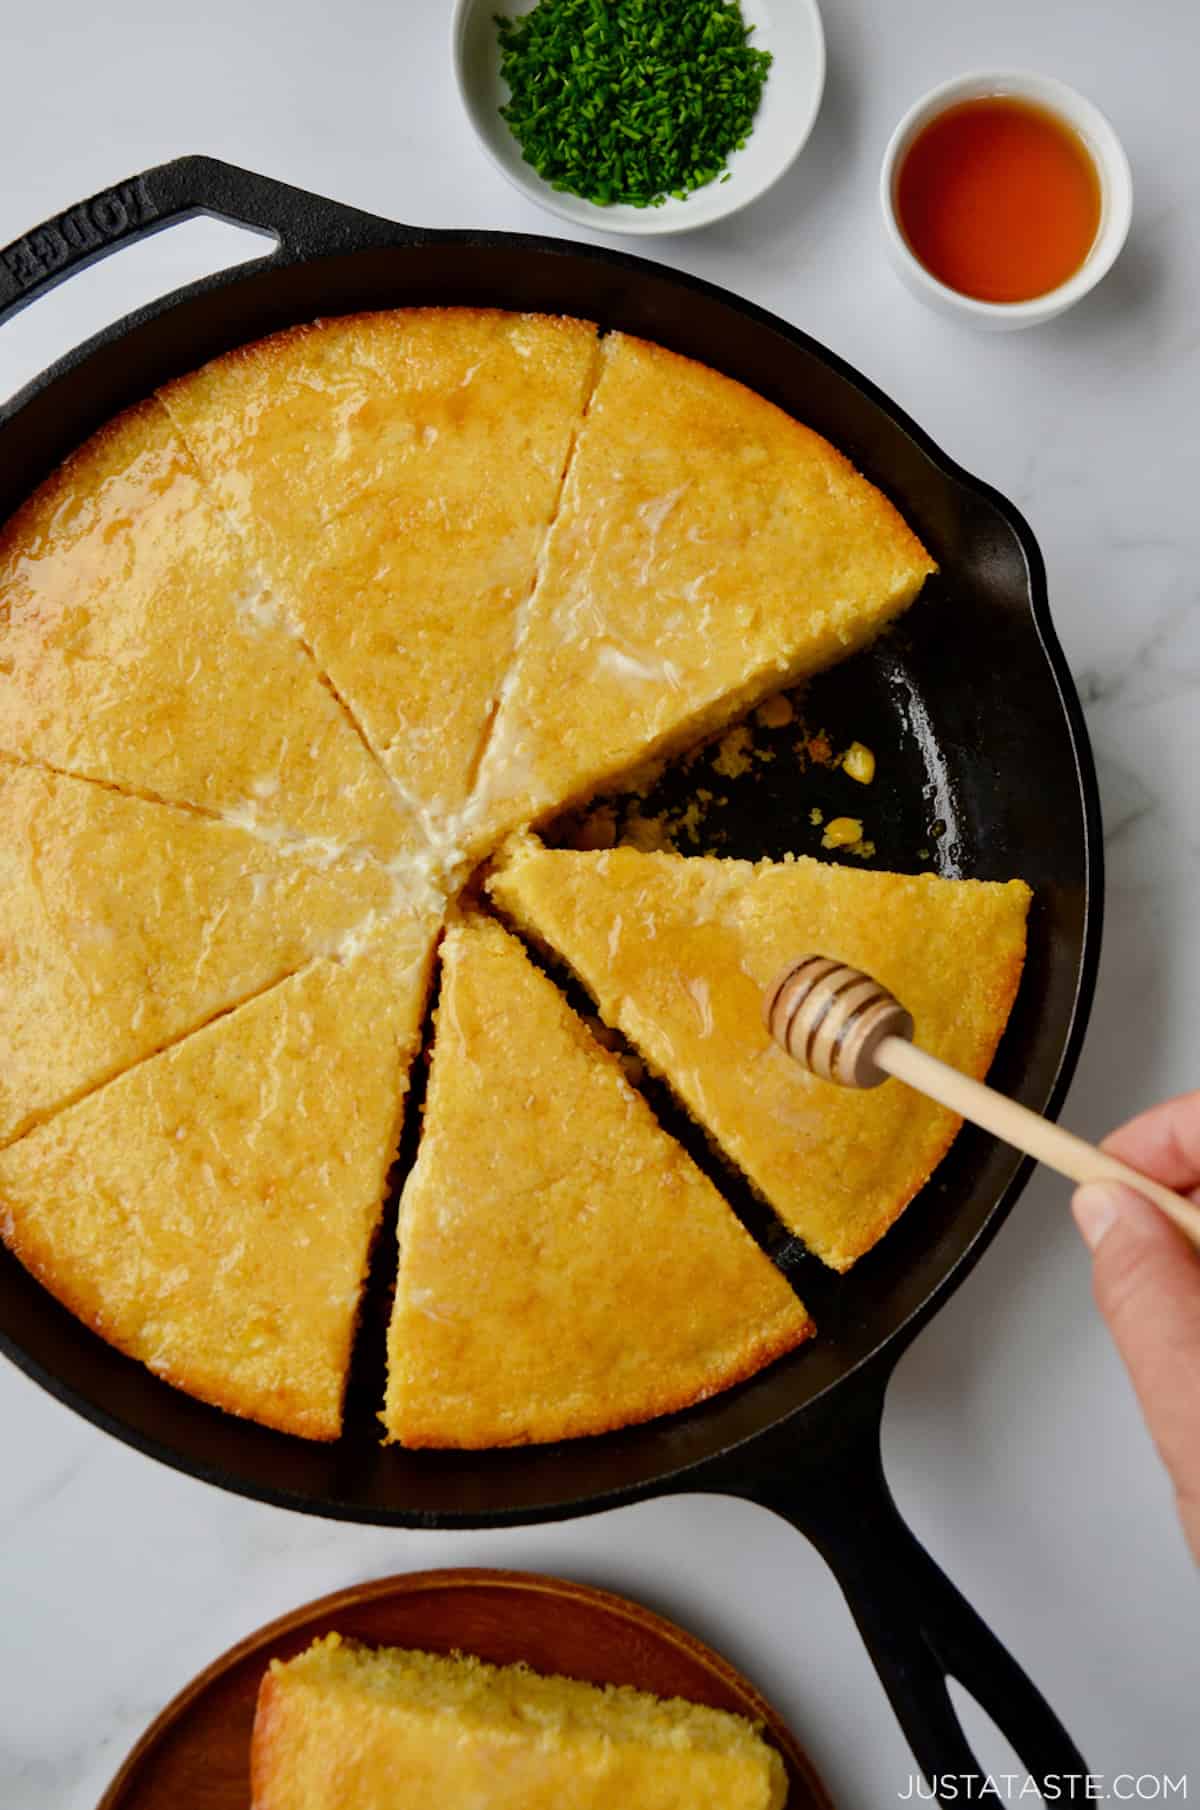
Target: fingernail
1095	1206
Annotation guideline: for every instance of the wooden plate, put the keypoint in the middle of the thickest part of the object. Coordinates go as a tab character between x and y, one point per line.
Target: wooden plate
196	1754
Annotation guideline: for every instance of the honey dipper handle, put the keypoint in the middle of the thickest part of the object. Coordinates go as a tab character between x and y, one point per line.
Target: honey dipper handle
1060	1150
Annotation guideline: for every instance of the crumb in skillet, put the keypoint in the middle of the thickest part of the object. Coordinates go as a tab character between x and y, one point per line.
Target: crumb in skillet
846	835
734	755
858	763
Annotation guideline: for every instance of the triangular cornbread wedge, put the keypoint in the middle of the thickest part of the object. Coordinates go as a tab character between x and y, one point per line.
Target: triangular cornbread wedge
139	647
678	952
346	1727
564	1266
127	924
394	475
708	550
211	1210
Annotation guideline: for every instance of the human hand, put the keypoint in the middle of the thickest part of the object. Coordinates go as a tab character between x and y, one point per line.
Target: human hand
1147	1282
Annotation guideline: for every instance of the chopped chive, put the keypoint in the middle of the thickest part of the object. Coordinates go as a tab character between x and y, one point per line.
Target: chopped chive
631	100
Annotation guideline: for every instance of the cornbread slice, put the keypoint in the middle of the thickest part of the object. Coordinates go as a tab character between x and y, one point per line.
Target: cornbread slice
139	647
709	550
394	475
678	953
211	1210
346	1727
564	1266
126	924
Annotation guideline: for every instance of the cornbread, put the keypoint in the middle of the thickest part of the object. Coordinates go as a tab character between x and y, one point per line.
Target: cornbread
564	1266
127	924
283	651
678	952
394	475
139	647
709	550
210	1211
346	1727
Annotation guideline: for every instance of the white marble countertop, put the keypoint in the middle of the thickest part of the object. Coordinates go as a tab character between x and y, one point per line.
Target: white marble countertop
1012	1439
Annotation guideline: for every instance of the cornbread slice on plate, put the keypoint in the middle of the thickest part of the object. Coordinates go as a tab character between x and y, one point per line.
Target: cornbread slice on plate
128	923
211	1210
678	952
394	474
564	1266
139	647
346	1727
708	550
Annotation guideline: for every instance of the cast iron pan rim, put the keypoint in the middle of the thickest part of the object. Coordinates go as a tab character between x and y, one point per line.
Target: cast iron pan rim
884	1354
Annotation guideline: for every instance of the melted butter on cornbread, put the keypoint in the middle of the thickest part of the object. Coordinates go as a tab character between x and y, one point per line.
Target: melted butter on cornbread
210	1211
702	534
645	931
564	1266
130	654
393	476
128	923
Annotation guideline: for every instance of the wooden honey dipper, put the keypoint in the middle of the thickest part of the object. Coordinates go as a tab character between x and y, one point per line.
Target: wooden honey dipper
845	1027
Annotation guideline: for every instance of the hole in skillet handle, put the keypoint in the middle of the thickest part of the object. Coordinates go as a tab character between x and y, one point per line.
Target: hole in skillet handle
920	1631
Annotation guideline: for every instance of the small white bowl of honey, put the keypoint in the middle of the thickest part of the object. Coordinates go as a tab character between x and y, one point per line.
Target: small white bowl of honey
1006	196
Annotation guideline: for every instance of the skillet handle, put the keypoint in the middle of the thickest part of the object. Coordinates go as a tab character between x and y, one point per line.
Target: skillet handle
918	1628
303	225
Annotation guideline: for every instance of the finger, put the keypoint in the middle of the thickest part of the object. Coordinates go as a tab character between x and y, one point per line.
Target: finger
1147	1283
1164	1142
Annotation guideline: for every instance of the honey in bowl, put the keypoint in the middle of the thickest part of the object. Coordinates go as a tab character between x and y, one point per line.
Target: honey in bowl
999	199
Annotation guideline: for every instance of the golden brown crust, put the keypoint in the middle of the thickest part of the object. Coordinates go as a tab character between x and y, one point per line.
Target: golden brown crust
211	1210
409	460
565	1268
678	952
708	550
128	924
760	1350
676	366
281	1408
342	1725
281	345
264	1743
138	648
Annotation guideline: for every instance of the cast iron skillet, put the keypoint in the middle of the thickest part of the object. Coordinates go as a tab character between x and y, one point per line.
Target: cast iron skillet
984	759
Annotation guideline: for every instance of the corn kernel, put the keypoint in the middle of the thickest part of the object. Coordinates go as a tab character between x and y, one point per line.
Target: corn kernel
842	832
859	763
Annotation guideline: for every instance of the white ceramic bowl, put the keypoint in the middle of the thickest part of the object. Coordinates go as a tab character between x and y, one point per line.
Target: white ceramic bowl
1116	196
789	29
